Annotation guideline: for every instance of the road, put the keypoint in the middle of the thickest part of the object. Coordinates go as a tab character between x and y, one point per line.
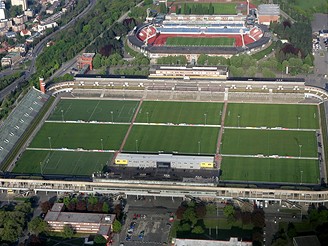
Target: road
69	64
36	51
286	16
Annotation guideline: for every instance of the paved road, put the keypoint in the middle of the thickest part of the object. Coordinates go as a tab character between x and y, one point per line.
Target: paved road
70	64
36	51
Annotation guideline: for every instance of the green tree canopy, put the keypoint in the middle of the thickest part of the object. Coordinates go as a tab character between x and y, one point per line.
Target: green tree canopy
117	226
37	226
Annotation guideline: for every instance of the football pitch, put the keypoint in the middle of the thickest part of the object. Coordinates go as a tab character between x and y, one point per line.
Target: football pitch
180	112
269	142
270	170
272	115
94	110
80	147
191	41
80	135
177	139
62	162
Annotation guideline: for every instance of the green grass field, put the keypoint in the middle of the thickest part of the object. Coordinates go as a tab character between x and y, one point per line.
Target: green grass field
180	112
94	110
219	8
189	41
75	135
180	139
272	115
62	162
266	142
270	170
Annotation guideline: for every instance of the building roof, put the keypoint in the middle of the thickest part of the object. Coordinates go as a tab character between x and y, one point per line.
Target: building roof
165	157
306	240
88	55
199	242
79	217
269	9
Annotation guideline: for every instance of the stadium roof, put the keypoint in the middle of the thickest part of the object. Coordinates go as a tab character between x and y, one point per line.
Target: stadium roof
269	9
19	119
164	157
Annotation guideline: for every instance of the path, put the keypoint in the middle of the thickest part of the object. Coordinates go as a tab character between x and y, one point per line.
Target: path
218	157
130	127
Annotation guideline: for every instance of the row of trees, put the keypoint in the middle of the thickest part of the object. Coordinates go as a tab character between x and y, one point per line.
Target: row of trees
74	39
196	8
172	60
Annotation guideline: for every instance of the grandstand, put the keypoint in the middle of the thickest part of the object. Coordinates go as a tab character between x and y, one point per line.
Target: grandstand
19	120
151	39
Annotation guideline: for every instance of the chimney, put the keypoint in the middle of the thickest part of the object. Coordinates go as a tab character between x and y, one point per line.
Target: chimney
42	85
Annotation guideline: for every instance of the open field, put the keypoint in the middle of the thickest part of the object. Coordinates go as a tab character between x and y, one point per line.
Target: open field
94	110
269	142
219	8
78	135
62	162
272	115
180	112
190	41
270	170
181	139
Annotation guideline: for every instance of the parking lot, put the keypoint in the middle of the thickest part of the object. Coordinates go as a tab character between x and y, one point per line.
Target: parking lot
149	226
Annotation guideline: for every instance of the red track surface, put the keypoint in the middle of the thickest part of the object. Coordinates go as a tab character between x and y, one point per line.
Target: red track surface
161	38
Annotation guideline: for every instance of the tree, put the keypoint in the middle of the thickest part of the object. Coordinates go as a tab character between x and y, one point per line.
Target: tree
99	240
228	211
68	231
81	205
184	227
180	211
258	218
105	207
45	206
190	215
37	226
200	210
97	61
198	230
117	226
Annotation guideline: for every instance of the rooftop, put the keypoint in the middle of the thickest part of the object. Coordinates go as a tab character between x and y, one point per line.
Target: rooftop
80	217
165	157
269	9
198	242
88	55
306	240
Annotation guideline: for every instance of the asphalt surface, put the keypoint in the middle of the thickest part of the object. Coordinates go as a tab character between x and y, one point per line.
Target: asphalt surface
36	51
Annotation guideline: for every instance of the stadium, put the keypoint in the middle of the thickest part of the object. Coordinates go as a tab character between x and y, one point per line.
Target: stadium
192	35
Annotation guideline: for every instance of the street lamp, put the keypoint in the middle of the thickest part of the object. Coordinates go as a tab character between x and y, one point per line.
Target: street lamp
102	146
198	147
111	112
300	146
205	118
49	138
137	145
301	177
41	167
62	112
147	117
238	120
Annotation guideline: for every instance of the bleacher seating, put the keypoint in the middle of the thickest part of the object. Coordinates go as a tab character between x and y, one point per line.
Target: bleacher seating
255	33
19	119
198	30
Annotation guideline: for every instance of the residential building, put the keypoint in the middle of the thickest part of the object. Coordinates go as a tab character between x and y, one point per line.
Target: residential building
25	32
2	10
6	23
21	48
29	13
306	240
23	3
10	59
20	19
10	34
80	222
18	28
46	26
